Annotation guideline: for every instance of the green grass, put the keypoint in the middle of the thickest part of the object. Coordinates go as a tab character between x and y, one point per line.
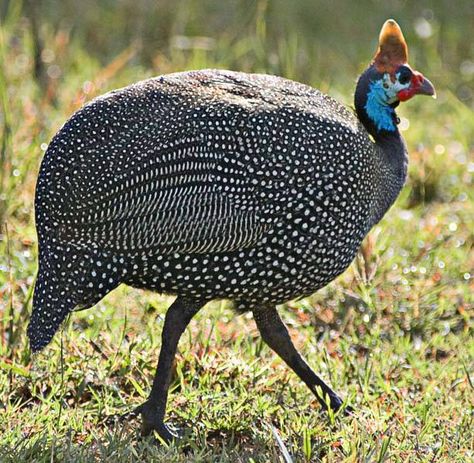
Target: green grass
394	334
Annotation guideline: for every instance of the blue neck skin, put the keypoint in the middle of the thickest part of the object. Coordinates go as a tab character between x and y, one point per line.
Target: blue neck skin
377	108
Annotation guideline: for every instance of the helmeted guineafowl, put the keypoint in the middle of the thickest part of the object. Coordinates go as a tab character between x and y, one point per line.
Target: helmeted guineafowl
217	184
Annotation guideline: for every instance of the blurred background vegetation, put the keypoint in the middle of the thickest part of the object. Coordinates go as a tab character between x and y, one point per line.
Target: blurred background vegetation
312	40
396	328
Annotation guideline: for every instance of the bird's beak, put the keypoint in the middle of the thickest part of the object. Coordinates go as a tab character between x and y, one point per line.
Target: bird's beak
426	88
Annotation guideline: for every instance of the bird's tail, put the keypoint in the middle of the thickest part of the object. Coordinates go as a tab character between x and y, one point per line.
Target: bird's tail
67	280
51	300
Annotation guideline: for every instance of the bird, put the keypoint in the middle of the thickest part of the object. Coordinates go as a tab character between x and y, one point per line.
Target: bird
216	184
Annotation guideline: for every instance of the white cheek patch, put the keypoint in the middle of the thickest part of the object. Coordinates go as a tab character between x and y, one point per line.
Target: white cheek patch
392	88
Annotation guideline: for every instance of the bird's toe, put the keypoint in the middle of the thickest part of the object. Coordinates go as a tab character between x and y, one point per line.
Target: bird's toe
152	421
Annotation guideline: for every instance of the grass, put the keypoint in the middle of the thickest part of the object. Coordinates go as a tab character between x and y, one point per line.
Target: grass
393	334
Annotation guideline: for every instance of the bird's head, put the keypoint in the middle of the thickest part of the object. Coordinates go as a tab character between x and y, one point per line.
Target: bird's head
387	81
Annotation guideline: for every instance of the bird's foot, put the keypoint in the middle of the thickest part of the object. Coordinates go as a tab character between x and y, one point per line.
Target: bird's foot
336	404
167	433
348	411
151	422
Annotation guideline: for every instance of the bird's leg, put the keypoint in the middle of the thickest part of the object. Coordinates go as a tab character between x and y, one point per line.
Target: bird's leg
275	334
153	410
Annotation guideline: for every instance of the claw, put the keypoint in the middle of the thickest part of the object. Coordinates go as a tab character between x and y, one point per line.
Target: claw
152	420
348	411
336	403
166	433
151	423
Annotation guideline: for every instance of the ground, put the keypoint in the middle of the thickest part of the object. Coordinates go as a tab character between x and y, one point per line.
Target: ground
393	335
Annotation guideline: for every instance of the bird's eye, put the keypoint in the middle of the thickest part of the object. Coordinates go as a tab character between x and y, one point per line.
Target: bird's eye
404	75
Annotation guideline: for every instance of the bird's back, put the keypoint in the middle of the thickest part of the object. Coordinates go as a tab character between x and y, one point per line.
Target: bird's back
214	139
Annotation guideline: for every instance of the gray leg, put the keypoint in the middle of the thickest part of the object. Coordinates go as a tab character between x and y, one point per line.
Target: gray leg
153	410
275	334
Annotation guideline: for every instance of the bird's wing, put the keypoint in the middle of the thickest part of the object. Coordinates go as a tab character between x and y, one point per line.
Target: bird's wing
193	204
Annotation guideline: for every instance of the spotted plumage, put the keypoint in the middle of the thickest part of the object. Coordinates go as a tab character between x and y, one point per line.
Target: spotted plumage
212	184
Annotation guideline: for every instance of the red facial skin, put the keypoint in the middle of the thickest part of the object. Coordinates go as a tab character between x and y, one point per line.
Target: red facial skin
418	86
416	81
